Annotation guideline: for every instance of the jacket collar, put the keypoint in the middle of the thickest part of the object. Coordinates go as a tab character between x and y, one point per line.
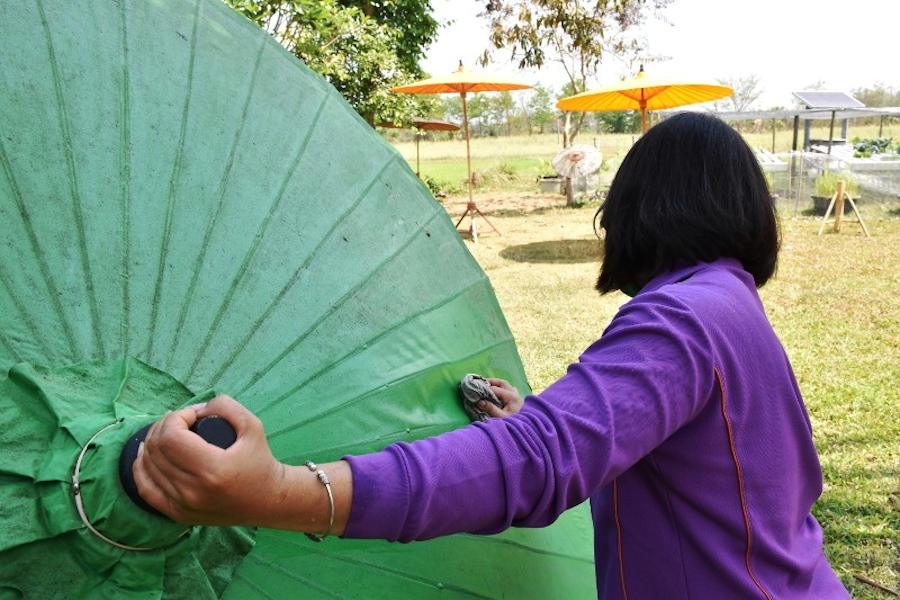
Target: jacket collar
682	272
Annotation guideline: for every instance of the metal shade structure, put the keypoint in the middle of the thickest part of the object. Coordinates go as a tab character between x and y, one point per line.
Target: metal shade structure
422	124
463	81
184	207
643	92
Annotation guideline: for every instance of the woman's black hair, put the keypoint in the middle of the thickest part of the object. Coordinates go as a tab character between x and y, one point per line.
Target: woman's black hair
690	190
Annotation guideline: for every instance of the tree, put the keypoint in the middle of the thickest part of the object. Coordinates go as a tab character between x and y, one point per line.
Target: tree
478	108
540	107
415	28
502	107
362	48
746	93
622	121
878	95
480	117
575	33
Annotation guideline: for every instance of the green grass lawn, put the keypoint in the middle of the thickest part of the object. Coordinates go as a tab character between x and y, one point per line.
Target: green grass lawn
835	303
499	171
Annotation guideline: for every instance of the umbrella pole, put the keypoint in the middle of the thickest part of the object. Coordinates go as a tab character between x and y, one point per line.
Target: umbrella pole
471	208
418	173
643	114
468	153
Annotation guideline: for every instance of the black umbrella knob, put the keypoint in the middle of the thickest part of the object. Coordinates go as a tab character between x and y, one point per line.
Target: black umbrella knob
214	429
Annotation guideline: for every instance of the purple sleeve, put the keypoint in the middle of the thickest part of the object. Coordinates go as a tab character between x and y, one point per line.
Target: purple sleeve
649	374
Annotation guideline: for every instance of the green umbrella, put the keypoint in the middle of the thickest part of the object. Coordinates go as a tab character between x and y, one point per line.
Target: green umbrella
186	207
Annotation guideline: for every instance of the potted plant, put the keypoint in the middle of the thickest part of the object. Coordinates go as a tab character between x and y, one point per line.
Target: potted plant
551	184
826	186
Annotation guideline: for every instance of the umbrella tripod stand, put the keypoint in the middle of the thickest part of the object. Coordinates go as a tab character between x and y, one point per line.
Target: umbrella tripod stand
472	209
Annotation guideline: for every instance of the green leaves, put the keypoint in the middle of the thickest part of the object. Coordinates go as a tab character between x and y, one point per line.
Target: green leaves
362	48
538	30
576	34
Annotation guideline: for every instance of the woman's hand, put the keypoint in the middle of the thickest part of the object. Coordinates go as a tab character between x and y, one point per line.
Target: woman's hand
507	394
195	482
192	481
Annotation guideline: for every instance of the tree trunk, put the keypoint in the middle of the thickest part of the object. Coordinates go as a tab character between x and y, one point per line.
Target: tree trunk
570	192
528	119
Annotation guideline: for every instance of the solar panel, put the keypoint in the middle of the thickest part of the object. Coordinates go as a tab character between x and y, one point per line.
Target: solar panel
820	99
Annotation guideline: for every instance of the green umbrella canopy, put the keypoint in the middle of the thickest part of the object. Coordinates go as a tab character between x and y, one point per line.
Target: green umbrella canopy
185	207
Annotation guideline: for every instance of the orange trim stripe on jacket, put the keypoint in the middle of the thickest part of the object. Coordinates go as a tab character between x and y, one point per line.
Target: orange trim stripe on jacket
740	480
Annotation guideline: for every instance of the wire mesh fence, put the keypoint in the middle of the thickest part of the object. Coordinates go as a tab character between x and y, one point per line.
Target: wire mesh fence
793	178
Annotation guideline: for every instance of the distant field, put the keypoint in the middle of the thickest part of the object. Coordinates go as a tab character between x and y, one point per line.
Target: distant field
445	159
529	155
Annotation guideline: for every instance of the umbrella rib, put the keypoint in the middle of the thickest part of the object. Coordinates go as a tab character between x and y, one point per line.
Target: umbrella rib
376	567
125	178
173	186
359	348
332	307
323	453
251	252
290	574
41	259
242	345
526	547
239	576
73	181
23	313
431	368
10	351
220	194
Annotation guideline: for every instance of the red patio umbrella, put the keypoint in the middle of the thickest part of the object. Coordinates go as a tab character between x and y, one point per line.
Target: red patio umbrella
423	124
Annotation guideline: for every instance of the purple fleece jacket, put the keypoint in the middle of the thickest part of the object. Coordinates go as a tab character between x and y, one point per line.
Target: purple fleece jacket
683	424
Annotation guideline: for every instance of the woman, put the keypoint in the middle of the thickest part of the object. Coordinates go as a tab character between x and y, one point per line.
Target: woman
683	423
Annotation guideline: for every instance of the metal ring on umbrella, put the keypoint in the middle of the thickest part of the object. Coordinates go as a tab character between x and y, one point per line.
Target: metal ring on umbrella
79	499
185	207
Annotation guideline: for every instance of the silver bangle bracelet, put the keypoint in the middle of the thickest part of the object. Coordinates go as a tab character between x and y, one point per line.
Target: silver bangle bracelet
323	477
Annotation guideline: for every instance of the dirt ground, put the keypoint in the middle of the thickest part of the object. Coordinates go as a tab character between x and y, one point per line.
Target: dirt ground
504	202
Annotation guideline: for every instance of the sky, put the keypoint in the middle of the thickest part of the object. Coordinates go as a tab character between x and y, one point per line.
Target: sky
789	45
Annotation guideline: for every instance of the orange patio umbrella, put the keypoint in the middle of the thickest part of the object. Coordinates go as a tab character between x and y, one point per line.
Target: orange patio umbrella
643	92
423	124
463	81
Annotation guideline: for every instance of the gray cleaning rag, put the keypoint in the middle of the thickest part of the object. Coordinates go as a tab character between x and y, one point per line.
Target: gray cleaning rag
472	390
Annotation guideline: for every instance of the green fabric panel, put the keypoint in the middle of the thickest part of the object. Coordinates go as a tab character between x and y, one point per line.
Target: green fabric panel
538	565
184	207
40	524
